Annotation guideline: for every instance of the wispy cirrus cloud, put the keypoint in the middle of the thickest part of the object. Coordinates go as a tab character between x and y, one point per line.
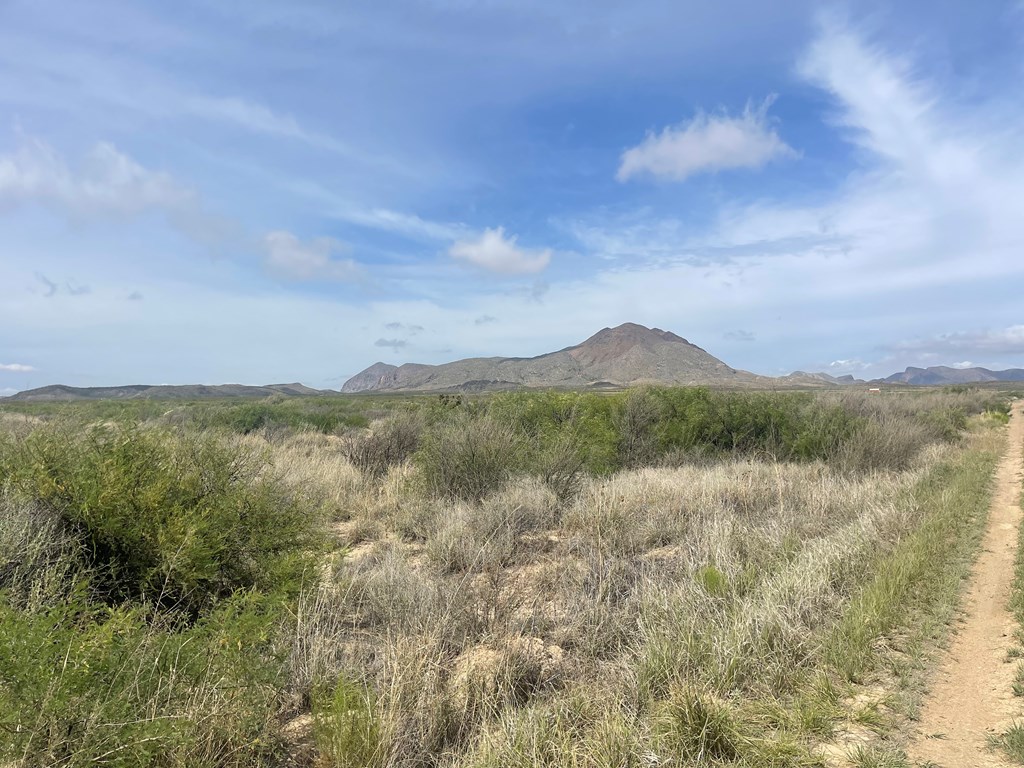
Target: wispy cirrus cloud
16	368
707	143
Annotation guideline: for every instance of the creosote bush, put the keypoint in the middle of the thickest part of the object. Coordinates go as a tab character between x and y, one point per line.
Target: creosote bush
387	444
177	520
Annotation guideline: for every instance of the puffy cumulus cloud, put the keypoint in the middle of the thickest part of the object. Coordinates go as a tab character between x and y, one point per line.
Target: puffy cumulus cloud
494	252
290	258
706	144
848	366
107	182
16	368
998	341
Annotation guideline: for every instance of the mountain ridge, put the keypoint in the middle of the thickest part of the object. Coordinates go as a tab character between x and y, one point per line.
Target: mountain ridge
620	356
945	374
65	393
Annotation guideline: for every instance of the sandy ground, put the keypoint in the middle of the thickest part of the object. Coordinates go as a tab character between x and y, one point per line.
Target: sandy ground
972	698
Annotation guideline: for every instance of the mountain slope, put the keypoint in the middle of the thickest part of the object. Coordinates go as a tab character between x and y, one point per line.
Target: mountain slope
627	354
944	374
61	392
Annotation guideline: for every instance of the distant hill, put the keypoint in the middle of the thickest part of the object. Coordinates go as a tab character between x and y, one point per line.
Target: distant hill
804	379
620	356
944	374
60	392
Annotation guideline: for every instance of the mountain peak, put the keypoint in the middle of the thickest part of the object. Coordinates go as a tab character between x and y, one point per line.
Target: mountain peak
626	354
613	343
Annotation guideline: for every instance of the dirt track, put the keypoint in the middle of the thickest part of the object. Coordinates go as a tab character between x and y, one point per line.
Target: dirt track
972	696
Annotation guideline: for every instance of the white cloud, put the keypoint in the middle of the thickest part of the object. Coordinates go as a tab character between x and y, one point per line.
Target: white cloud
706	144
108	181
495	252
924	233
963	364
292	259
998	341
848	366
16	368
406	224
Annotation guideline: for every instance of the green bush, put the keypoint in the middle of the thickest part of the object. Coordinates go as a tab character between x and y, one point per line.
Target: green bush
82	685
173	519
346	727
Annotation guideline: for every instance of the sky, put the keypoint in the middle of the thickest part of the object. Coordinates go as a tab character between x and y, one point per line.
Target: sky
266	192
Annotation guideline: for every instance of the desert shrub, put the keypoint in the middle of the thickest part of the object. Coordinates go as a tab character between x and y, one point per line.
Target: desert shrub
637	419
81	685
40	560
279	414
181	520
562	429
467	457
561	463
390	442
886	443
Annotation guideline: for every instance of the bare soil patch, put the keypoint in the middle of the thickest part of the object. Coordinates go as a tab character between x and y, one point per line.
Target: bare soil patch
972	696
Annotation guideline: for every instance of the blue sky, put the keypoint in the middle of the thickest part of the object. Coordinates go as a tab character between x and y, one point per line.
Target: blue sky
263	191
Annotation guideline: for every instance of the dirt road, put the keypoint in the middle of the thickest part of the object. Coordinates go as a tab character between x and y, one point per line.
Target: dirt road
972	697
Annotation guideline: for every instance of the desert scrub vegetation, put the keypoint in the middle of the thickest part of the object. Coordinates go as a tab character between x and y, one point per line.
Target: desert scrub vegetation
723	572
653	577
144	579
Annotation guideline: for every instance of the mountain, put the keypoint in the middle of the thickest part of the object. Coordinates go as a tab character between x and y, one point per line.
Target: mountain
944	374
804	379
620	356
60	392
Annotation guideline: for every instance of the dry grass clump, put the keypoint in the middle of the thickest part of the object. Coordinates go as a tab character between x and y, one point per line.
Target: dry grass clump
315	465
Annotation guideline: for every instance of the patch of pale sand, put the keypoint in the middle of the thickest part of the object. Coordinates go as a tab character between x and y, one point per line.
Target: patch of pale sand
972	697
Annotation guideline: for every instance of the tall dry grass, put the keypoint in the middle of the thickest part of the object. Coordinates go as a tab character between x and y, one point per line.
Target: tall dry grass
658	613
